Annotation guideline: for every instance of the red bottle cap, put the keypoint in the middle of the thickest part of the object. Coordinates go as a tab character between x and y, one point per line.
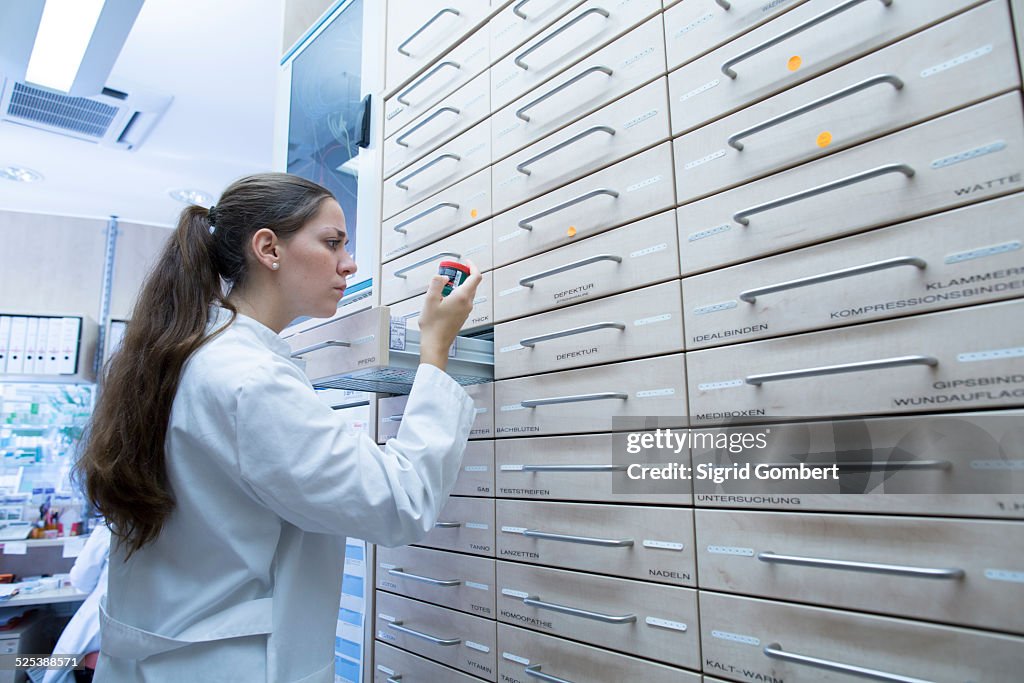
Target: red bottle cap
456	265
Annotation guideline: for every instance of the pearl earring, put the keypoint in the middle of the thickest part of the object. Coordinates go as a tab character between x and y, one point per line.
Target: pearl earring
275	265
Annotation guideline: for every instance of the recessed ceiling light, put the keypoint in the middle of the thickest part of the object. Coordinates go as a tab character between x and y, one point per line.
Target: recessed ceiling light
192	197
20	174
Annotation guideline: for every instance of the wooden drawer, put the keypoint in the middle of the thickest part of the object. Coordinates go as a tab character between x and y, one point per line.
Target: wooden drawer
549	403
637	618
392	664
699	26
959	464
457	639
449	211
445	166
644	322
932	362
968	256
629	190
959	62
465	525
582	467
608	74
633	542
409	275
620	260
515	25
952	571
580	32
481	316
391	409
746	639
452	580
974	154
619	130
464	108
441	79
524	651
758	65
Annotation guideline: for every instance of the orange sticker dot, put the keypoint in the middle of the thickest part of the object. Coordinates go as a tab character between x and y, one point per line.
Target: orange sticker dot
472	214
824	139
571	231
794	63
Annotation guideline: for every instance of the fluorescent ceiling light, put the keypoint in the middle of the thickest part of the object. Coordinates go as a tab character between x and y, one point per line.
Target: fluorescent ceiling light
20	174
65	30
192	197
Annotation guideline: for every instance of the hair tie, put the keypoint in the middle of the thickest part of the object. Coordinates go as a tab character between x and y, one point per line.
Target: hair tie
212	217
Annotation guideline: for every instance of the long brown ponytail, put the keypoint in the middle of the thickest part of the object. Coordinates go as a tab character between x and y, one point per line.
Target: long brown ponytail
123	461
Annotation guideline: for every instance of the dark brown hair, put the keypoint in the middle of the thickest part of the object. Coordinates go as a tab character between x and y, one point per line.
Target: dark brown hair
122	464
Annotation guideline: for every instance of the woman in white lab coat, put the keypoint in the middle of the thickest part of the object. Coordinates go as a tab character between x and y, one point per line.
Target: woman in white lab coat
229	486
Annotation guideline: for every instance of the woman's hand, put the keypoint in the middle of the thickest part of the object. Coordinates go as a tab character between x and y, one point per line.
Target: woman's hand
444	316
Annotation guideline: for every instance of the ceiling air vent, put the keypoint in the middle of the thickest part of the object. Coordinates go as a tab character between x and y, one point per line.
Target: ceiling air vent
114	118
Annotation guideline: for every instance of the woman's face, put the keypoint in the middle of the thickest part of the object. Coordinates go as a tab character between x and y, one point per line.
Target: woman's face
315	263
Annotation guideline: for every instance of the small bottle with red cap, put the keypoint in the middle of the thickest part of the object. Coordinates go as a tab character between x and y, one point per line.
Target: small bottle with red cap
455	272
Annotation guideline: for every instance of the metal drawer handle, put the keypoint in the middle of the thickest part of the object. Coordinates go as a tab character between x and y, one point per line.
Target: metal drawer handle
436	207
585	540
785	35
533	341
873	466
393	679
750	295
775	651
425	579
521	112
894	81
562	145
534	402
401	272
447	525
535	672
402	96
321	345
569	24
881	364
530	279
742	217
871	567
574	468
517	10
446	642
576	612
421	29
395	418
401	139
440	157
525	223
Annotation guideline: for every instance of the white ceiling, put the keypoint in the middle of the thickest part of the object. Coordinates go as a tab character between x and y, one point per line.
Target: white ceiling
219	60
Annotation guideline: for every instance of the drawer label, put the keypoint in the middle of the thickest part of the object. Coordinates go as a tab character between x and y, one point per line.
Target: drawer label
511	347
631	61
386	565
511	290
520	553
644	183
994	354
967	155
663	545
512	406
477	646
513	529
512	593
736	637
694	236
477	525
649	250
697	91
983	252
524	619
703	160
519	232
524	492
637	120
515	658
715	308
1012	465
735	332
669	574
1004	575
983	394
385	670
727	384
478	586
692	25
653	319
957	61
665	623
730	550
654	393
475	468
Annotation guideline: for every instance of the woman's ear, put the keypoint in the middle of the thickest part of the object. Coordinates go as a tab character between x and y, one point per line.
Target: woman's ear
266	247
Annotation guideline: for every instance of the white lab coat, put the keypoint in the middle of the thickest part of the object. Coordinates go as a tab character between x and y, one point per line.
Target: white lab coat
243	582
82	633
